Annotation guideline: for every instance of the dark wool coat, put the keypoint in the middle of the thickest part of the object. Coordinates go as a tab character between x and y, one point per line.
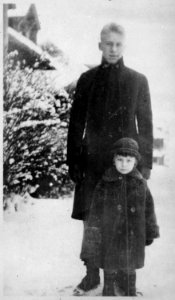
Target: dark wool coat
110	102
121	219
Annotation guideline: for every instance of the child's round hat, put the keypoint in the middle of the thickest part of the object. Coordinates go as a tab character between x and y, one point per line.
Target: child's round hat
126	146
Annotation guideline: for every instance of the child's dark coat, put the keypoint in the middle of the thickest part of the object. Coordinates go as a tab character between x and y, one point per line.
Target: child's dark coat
121	219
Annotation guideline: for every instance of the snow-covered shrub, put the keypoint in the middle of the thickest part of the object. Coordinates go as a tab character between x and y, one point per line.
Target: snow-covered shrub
35	132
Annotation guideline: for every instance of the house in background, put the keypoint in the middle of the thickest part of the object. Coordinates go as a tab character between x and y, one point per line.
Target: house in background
21	35
23	26
25	21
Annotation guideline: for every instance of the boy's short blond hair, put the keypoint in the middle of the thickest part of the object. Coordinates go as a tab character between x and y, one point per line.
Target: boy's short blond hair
112	27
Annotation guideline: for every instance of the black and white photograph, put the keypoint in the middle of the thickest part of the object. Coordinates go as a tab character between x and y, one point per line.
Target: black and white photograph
88	142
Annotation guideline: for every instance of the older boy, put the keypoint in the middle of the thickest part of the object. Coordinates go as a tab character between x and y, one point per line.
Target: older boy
111	101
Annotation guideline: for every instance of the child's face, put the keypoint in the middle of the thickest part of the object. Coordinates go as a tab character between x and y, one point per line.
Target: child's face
124	164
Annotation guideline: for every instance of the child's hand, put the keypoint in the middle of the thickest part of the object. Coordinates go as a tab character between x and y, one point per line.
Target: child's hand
148	242
146	172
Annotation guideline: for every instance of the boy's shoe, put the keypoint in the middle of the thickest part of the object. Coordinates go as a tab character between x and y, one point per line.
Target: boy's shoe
89	282
138	293
86	285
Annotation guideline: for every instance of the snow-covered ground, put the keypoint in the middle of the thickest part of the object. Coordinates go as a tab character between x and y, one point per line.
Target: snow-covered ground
42	243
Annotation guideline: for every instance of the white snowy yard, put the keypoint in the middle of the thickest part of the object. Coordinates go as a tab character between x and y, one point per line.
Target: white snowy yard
42	244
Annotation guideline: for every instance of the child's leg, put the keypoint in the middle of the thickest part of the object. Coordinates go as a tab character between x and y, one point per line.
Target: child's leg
109	283
131	283
126	280
121	280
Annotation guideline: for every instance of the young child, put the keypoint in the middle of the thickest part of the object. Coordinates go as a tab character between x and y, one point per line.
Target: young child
121	222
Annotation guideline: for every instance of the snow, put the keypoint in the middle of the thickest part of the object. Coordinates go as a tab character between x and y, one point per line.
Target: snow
42	244
66	74
34	123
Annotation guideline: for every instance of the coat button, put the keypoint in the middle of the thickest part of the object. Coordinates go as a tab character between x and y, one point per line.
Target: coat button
119	207
120	177
133	209
131	232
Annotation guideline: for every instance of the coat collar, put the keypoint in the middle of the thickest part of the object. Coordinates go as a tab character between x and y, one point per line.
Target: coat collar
113	175
118	65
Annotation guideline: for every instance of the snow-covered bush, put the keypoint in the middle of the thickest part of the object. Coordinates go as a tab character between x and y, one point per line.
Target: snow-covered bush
35	132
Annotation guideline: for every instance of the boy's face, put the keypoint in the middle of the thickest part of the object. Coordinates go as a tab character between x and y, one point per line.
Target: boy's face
124	164
112	46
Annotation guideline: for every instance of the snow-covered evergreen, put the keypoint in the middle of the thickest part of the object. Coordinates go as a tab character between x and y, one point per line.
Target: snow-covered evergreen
35	131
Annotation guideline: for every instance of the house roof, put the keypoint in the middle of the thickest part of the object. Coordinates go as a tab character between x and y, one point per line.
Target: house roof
11	6
24	11
28	50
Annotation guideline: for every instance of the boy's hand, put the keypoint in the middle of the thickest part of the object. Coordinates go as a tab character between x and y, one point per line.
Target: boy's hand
76	174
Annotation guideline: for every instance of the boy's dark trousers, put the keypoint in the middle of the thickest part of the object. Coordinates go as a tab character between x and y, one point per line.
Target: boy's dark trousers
92	278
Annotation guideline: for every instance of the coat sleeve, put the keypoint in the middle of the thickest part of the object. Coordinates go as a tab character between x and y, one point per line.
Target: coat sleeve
77	123
152	229
144	122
